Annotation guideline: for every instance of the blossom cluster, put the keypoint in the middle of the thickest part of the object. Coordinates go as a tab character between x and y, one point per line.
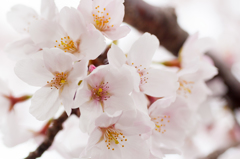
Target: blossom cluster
129	108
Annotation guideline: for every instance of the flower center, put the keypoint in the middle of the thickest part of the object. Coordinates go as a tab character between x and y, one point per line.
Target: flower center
142	74
101	19
66	44
58	81
114	137
161	122
100	92
185	87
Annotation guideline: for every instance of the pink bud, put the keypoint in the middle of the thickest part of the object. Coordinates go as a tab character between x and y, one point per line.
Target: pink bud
91	68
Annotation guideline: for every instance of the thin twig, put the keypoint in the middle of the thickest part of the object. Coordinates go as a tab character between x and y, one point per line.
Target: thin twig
51	133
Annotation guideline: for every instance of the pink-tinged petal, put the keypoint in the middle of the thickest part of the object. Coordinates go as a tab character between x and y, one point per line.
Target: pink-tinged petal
97	75
89	112
20	49
100	151
163	102
48	9
160	83
143	50
135	147
94	138
134	77
113	12
79	70
193	49
83	95
67	96
118	80
116	12
100	3
198	95
206	70
118	102
141	101
117	33
90	39
134	122
85	7
33	72
175	120
44	33
56	61
116	56
72	22
21	17
156	154
45	103
106	120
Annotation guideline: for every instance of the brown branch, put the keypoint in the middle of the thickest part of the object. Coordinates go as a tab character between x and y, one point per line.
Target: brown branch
51	133
162	22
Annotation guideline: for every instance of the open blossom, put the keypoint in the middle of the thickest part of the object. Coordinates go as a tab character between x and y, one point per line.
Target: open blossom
172	122
58	77
106	16
195	70
117	136
68	34
153	82
21	18
106	89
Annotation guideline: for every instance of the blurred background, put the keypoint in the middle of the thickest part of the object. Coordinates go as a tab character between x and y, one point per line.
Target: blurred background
218	19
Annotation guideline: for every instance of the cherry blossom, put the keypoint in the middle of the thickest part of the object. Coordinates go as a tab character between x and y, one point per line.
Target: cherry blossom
21	18
58	78
117	136
69	35
106	16
106	89
172	122
195	70
153	82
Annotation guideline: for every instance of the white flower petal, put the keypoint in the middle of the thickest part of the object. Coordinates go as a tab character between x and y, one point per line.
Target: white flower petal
90	39
142	50
79	70
141	101
67	96
106	120
72	22
44	33
160	83
21	17
20	49
48	9
117	33
33	72
135	147
56	61
83	95
89	112
45	103
85	7
116	56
